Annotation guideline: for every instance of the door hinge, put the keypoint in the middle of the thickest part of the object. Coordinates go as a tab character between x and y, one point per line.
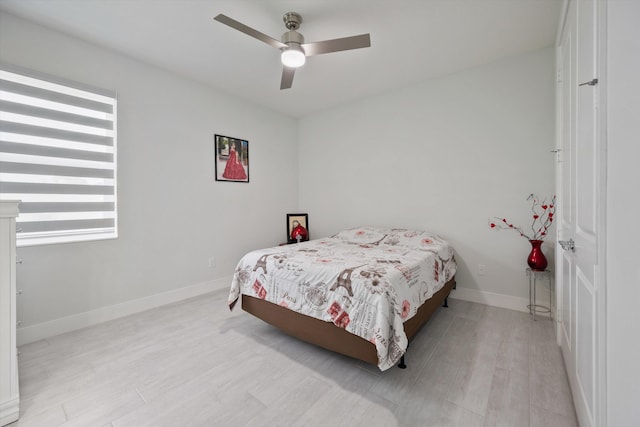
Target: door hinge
592	82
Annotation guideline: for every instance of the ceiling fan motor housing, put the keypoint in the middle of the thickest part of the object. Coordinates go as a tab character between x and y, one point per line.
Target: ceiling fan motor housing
292	37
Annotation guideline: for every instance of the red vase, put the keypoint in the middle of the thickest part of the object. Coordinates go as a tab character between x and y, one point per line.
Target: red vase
537	261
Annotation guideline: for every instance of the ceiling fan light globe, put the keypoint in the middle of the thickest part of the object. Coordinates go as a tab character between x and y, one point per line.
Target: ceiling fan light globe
293	57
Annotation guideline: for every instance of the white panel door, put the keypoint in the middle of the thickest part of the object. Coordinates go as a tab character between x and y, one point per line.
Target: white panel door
580	194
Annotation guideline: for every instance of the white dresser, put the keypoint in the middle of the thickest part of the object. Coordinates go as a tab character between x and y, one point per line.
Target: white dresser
9	396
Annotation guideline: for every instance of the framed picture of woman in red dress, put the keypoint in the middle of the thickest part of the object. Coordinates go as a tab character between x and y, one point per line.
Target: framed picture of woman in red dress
297	227
231	159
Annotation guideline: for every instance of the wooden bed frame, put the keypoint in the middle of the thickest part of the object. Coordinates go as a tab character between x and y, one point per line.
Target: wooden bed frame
332	337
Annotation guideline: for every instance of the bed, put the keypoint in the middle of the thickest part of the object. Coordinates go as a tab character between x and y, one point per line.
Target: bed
364	292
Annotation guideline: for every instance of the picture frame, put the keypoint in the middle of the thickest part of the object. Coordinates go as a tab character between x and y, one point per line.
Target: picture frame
293	221
231	159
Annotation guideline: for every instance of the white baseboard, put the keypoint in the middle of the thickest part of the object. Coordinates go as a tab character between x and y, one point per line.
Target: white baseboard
489	298
59	326
9	411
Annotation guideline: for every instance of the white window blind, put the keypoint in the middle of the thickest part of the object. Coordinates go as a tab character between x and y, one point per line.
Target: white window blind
58	156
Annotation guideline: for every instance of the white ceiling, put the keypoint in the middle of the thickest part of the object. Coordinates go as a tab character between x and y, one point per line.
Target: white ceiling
411	40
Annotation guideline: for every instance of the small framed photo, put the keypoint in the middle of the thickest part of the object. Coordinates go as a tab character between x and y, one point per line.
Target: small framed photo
297	227
231	159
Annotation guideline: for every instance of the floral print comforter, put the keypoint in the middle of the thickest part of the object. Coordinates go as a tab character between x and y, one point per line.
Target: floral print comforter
365	280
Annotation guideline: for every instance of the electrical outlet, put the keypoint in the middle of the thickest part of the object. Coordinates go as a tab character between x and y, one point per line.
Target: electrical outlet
212	262
481	269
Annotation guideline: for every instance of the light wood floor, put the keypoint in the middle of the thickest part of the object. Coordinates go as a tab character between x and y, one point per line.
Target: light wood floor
196	364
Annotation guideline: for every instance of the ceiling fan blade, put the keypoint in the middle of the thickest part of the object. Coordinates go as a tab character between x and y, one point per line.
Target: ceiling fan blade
249	31
337	45
287	77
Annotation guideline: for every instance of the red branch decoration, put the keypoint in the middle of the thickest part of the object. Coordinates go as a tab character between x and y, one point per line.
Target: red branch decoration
542	213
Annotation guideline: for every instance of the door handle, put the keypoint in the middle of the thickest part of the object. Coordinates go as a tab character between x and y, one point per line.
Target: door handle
589	83
568	245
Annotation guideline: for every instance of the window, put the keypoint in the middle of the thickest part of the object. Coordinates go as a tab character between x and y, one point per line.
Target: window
58	156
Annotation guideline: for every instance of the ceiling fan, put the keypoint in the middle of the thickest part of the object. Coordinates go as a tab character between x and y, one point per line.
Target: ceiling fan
294	49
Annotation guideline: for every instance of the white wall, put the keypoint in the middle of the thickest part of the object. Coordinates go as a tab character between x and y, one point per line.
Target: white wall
445	156
173	215
623	211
